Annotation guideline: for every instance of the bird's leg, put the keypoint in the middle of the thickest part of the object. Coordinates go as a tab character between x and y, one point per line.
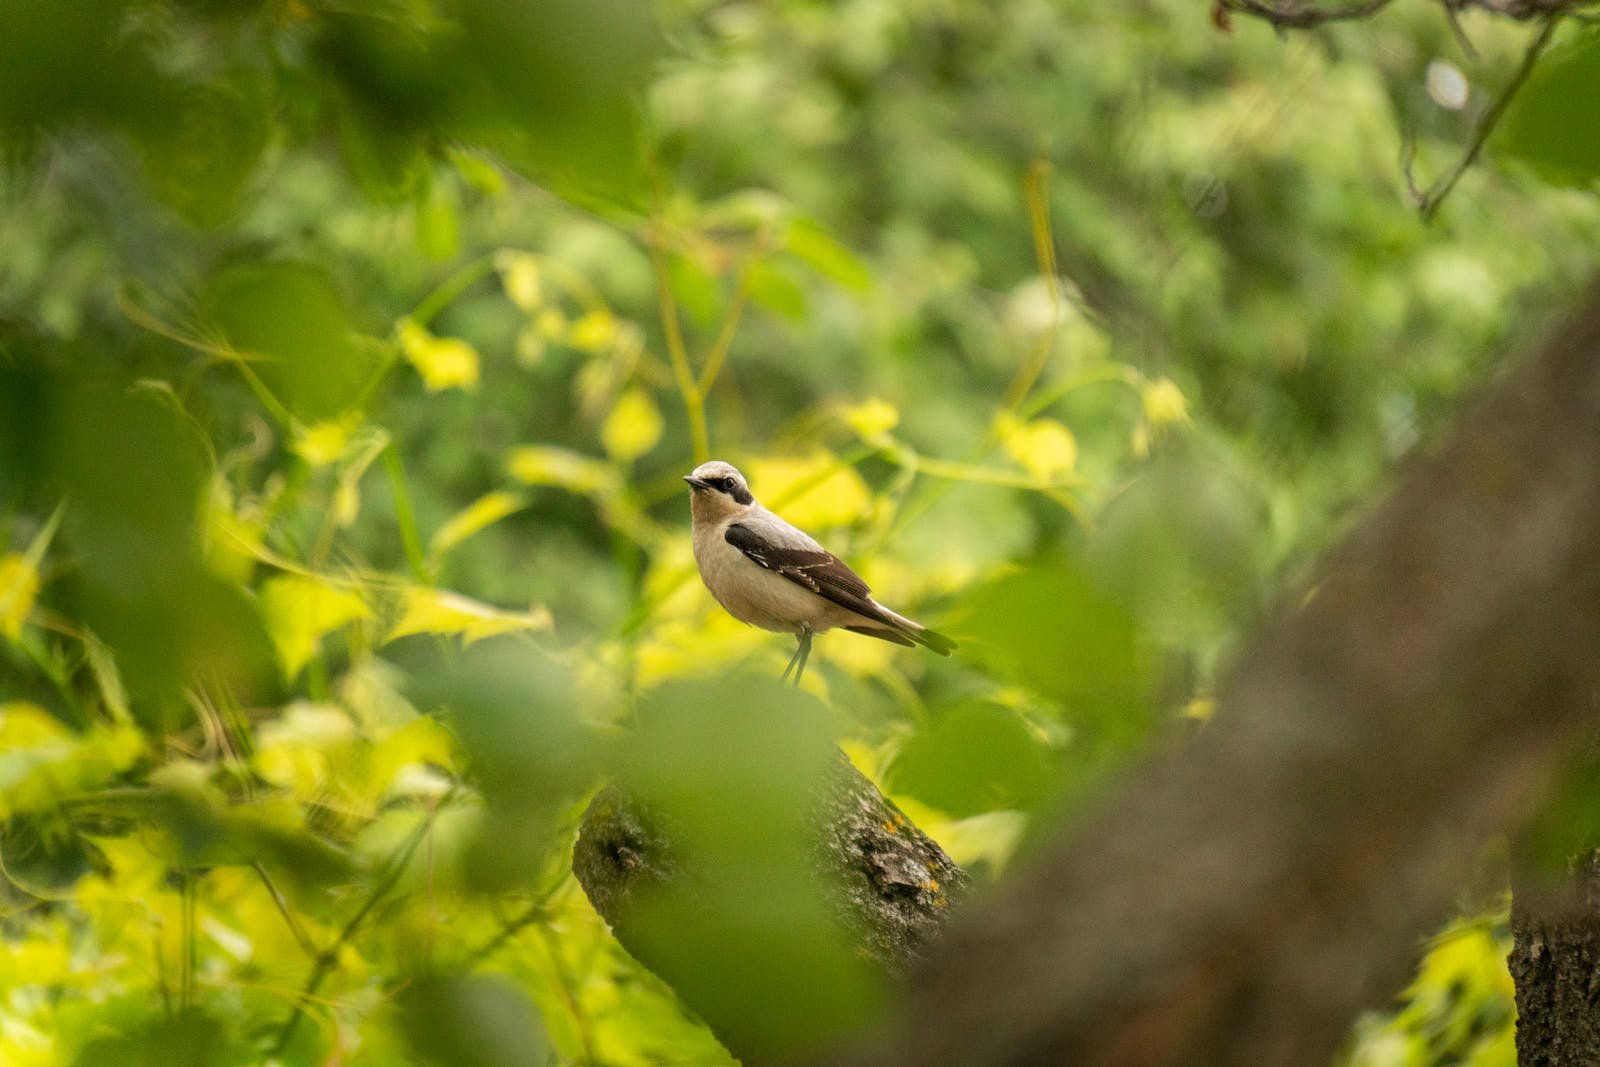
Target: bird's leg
802	652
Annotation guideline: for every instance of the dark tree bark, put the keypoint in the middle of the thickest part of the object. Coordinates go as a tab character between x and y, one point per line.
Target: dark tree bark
1555	962
885	882
1240	898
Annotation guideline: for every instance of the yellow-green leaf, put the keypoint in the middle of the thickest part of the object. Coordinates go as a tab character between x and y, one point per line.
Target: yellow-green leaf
549	465
324	442
1044	447
438	222
25	725
443	362
299	612
482	513
1164	403
595	332
19	577
520	277
439	611
347	494
42	760
232	544
551	324
19	585
633	427
872	419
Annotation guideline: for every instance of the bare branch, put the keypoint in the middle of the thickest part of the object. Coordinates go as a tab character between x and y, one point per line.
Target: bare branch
1298	15
1429	199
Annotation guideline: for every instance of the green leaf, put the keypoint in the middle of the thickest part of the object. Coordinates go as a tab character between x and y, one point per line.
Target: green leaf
974	758
808	242
438	222
1552	122
1053	629
549	465
192	1039
776	291
135	473
472	1021
288	325
518	718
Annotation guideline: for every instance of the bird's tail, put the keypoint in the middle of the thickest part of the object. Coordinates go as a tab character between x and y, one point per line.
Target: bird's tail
919	633
936	641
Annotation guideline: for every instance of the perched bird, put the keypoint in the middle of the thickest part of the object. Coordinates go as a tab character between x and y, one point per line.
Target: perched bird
767	573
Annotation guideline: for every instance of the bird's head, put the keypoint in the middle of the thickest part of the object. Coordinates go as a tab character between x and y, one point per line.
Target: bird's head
717	490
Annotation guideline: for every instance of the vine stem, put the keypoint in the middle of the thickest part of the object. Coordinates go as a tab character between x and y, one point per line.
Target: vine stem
328	958
1036	198
1429	200
694	397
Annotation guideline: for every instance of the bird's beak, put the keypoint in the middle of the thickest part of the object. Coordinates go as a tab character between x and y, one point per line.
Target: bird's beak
696	482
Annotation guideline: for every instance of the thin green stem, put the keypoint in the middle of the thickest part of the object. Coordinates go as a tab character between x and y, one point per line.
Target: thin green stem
187	965
1429	200
446	292
405	515
328	958
1036	197
531	914
694	401
1118	373
299	932
730	326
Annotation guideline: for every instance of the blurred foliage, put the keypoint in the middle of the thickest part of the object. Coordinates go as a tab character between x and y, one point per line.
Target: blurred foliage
350	355
1459	1008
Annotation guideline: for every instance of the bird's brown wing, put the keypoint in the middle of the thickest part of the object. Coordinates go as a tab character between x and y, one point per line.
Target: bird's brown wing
815	569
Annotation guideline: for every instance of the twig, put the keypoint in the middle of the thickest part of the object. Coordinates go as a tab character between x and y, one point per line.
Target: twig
532	913
328	957
293	923
730	326
1297	16
1036	198
1452	15
186	965
1428	200
405	515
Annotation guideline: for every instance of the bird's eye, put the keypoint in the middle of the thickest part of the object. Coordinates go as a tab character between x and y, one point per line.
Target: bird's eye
725	484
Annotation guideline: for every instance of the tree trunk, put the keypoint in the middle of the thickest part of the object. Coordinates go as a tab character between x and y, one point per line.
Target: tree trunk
1555	962
1240	898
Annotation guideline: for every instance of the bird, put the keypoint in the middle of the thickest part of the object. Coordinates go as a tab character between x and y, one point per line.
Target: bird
774	576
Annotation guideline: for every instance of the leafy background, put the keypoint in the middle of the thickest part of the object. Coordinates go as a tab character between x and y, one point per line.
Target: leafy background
350	356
